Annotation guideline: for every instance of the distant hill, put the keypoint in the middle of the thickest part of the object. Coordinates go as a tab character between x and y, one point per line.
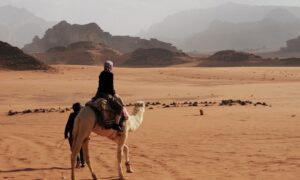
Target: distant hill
267	34
154	57
231	58
19	26
178	27
91	53
84	53
63	34
13	58
293	62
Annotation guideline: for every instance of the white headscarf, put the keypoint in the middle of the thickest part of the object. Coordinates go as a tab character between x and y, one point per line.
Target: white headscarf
108	65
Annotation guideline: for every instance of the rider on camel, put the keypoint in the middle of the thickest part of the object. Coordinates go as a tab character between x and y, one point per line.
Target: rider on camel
106	90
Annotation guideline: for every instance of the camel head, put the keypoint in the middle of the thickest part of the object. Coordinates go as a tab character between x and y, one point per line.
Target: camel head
139	106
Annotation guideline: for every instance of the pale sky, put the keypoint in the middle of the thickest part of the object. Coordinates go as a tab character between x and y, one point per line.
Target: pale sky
122	17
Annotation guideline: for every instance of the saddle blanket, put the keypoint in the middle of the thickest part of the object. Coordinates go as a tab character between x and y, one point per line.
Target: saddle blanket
106	113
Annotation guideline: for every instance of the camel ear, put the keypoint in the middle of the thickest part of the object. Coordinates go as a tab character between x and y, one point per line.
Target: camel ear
140	104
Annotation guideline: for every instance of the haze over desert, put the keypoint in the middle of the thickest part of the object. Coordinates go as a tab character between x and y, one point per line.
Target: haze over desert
227	142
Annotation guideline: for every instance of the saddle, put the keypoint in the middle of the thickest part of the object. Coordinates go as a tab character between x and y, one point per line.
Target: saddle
105	114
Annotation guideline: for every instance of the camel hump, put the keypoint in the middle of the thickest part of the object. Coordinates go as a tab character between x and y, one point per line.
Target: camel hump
104	112
101	104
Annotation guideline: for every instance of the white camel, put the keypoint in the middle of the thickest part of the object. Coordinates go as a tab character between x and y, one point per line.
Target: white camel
85	124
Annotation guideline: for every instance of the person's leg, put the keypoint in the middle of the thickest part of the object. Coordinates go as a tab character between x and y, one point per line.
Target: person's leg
82	158
117	108
118	118
122	105
70	142
125	113
78	160
119	99
116	125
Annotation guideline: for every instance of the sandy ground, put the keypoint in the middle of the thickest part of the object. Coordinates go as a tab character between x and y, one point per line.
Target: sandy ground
237	142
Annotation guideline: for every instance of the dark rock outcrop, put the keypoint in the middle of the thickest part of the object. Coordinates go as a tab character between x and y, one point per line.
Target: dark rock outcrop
155	57
230	58
233	56
64	34
15	59
292	45
83	53
289	62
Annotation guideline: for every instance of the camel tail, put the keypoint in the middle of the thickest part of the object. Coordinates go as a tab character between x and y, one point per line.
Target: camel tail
75	129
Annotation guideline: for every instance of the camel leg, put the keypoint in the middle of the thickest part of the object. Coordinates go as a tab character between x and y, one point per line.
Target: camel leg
72	167
119	157
85	147
127	163
121	142
76	146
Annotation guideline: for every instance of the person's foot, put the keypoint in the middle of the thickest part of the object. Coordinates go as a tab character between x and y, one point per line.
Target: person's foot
117	127
77	165
82	165
125	114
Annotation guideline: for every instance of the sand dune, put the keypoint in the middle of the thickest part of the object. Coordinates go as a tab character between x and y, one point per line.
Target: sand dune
237	142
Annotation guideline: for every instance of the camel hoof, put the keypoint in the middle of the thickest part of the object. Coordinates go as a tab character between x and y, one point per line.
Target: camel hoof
130	171
94	177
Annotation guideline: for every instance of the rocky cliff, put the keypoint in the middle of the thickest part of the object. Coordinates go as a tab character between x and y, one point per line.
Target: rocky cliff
64	34
83	52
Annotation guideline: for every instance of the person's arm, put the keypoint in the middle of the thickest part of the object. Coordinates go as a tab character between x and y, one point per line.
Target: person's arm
112	85
67	128
99	88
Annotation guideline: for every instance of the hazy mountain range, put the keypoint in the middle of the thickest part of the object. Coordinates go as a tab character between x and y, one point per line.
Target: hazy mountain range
18	26
268	34
229	26
64	34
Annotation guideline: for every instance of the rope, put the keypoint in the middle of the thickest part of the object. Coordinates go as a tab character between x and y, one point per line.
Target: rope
60	143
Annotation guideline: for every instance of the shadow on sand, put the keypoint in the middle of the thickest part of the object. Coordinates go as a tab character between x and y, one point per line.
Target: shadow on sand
50	168
33	169
109	178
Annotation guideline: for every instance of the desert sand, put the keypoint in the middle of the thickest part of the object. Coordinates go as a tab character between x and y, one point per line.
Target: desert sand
227	142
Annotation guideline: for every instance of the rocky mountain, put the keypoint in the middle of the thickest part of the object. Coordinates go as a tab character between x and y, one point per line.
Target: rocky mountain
84	53
18	26
155	57
63	34
180	26
15	59
267	34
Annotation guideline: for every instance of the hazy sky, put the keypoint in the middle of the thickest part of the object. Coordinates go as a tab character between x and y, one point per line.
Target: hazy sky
122	16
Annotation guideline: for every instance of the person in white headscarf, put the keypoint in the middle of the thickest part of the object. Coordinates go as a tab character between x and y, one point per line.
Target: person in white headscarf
106	90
